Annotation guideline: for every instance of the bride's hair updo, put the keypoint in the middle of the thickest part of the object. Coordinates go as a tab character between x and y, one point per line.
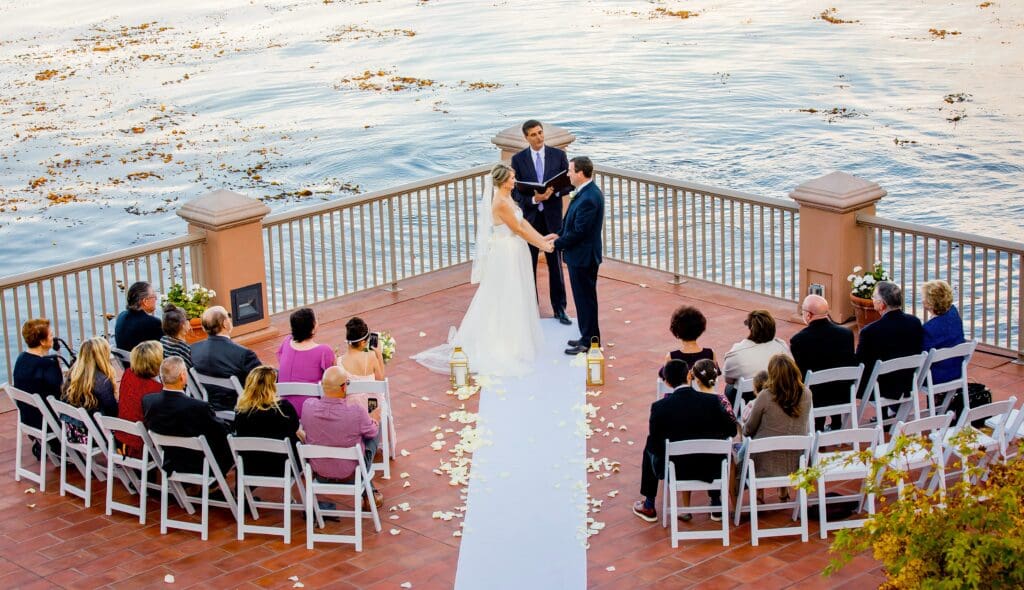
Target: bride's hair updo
500	173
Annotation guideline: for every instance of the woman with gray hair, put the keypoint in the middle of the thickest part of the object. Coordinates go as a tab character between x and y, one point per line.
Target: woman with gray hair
944	330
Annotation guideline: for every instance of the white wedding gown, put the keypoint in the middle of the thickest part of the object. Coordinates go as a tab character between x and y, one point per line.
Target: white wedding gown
500	332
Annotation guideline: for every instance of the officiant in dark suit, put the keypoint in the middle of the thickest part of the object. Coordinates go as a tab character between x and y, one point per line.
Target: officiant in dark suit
580	244
543	209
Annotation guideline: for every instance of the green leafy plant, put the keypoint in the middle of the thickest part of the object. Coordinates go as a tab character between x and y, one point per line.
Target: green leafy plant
970	535
194	300
863	285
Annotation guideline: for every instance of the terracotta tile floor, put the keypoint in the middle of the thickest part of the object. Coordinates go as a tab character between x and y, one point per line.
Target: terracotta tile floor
58	543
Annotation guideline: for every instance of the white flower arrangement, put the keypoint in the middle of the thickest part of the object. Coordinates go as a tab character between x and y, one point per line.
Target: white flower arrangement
387	346
863	285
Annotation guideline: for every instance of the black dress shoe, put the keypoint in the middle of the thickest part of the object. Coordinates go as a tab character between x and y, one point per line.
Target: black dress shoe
575	343
574	350
562	318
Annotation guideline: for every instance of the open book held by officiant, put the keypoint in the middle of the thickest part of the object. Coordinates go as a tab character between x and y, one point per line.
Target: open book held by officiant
559	182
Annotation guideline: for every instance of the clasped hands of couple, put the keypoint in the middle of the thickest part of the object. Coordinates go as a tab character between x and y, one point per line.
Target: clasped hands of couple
549	243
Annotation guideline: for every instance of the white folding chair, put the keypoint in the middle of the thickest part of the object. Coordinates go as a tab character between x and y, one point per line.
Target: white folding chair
245	482
990	446
135	469
49	430
742	386
209	474
359	488
91	451
674	485
1013	429
846	409
905	402
750	481
949	389
201	381
844	465
661	389
923	452
298	393
381	391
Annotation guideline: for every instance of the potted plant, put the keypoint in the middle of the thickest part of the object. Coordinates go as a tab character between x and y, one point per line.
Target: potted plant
194	301
862	287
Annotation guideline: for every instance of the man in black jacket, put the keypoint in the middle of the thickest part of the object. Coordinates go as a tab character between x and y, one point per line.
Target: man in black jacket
218	356
173	413
684	414
894	335
823	345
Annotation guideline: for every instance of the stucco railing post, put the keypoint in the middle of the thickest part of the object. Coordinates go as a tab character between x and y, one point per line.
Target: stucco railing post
831	242
511	140
233	255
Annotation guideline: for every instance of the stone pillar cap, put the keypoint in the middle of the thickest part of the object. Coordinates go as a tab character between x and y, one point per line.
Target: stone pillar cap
222	209
512	139
839	192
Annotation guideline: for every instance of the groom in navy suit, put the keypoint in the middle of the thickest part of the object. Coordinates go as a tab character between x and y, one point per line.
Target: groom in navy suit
543	210
580	243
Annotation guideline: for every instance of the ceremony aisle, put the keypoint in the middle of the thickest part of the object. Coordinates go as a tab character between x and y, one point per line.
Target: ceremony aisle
526	510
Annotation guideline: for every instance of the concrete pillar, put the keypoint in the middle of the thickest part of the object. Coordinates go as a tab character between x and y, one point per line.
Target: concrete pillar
233	256
511	140
831	243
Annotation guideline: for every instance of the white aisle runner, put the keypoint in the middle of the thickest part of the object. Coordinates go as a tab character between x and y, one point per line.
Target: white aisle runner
526	508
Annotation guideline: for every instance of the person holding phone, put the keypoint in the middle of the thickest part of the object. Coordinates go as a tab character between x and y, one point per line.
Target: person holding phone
363	359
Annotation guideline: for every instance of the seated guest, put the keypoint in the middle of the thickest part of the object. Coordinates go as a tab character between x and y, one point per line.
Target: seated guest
687	324
91	384
760	382
334	422
361	362
685	414
218	356
703	376
894	335
36	370
259	413
175	327
137	323
944	330
751	354
823	345
300	358
781	410
173	413
138	381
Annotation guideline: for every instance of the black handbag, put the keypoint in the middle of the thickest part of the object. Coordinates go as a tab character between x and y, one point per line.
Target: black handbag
978	395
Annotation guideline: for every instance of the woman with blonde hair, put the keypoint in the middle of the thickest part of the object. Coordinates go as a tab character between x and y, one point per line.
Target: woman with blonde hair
138	381
260	413
945	329
91	383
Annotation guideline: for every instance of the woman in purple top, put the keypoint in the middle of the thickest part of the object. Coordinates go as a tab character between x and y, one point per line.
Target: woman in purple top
300	358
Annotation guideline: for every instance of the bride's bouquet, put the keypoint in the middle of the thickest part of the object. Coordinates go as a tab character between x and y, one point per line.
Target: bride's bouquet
387	346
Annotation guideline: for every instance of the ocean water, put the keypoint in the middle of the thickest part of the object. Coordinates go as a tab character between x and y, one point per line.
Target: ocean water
114	113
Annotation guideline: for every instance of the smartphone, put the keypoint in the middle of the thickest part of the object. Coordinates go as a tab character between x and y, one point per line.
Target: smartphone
374	340
371	404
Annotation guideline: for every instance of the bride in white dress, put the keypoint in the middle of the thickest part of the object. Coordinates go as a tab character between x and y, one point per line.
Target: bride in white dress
500	332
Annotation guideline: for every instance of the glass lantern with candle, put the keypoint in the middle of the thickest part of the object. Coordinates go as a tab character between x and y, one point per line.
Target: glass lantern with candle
459	365
595	364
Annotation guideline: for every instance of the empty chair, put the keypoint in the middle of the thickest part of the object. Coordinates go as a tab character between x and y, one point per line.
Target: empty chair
247	481
48	431
940	395
135	469
844	465
201	381
379	390
847	409
904	402
358	490
750	481
674	485
965	441
90	446
207	476
1013	430
923	451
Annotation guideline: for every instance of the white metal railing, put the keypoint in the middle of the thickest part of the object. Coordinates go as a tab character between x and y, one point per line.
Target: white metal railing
985	274
691	230
371	240
81	298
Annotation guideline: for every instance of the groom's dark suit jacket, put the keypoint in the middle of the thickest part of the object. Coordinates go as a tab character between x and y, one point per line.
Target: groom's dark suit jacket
580	238
555	161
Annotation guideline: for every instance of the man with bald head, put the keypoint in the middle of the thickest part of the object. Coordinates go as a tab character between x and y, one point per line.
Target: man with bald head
823	345
337	421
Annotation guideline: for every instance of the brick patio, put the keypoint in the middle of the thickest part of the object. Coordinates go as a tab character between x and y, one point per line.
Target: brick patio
58	543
